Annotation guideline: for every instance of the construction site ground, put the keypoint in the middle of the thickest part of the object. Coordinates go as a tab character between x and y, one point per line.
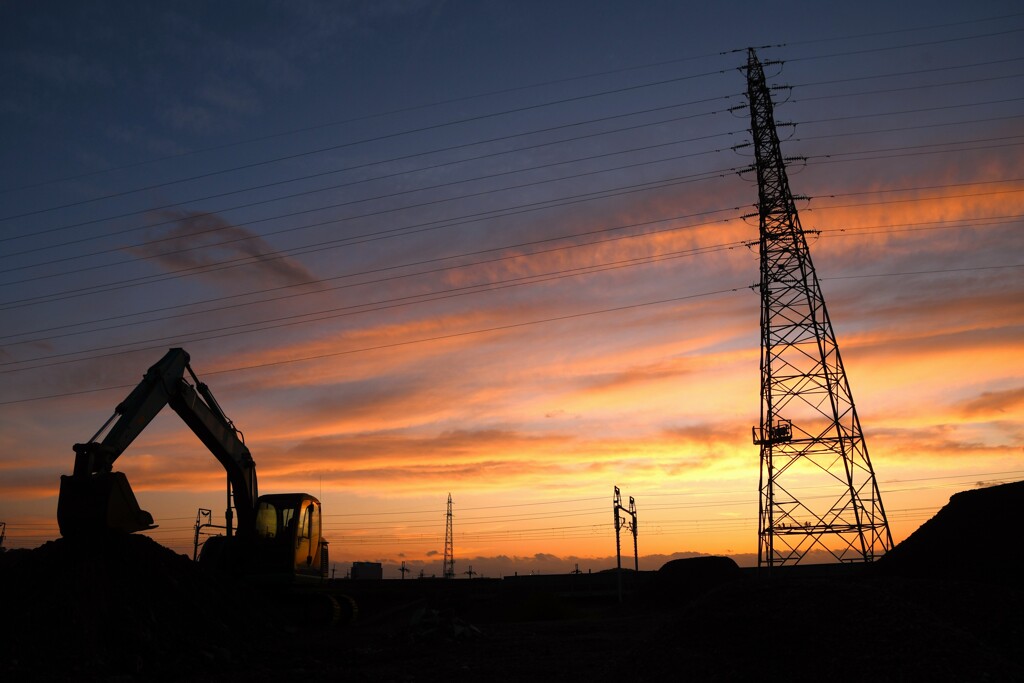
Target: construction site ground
942	606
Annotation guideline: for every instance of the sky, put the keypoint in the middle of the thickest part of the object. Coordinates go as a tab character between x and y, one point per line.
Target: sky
501	250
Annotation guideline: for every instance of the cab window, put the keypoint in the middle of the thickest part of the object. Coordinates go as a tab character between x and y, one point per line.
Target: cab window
304	526
266	520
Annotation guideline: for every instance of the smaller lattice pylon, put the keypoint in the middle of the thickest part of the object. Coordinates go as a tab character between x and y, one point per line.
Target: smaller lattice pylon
449	554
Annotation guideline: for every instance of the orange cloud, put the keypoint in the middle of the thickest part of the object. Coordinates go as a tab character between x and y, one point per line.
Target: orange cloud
994	402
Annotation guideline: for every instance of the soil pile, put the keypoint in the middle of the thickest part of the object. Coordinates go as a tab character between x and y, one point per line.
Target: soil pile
976	536
797	628
683	579
116	605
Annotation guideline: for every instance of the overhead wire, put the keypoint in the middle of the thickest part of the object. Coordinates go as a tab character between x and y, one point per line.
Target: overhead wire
902	46
862	275
461	255
12	254
404	157
375	306
827	158
650	525
993	138
389	195
532	279
488	330
536	278
36	233
901	31
399	344
348	241
387	233
410	264
379	138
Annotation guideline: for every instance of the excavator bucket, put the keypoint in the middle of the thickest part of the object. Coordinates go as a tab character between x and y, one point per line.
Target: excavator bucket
99	502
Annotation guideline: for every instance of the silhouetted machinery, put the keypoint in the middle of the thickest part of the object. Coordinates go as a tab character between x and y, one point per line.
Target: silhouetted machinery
277	536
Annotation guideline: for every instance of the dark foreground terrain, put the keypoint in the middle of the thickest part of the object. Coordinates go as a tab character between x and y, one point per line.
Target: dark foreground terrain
946	605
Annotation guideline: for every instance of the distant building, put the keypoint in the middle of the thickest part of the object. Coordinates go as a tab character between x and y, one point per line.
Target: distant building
367	570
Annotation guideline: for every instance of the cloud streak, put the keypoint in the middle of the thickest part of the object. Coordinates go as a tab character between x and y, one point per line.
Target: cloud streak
200	242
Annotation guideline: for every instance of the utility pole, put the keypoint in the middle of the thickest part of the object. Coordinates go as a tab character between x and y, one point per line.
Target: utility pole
809	436
633	529
404	570
470	573
3	535
449	554
617	516
620	521
202	514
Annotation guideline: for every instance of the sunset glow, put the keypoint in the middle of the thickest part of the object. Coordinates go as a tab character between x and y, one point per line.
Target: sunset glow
521	276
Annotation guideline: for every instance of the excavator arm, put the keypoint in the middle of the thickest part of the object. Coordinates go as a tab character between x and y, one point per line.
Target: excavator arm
94	497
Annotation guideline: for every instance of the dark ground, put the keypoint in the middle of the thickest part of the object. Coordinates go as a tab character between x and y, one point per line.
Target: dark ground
946	605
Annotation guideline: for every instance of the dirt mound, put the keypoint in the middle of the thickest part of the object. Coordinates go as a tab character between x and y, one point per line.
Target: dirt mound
118	605
837	629
976	536
710	569
680	580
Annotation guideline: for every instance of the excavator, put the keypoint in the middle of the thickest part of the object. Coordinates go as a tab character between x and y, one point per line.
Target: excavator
277	537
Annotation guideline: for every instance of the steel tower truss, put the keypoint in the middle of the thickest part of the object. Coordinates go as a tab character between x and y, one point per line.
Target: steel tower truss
817	487
448	571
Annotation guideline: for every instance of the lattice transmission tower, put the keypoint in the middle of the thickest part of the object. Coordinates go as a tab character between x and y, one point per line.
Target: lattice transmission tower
817	487
449	553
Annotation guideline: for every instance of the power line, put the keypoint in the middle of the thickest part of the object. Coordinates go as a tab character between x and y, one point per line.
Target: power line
473	509
487	330
492	286
542	533
826	158
275	183
454	335
404	157
476	263
365	118
929	43
362	200
901	31
905	88
479	157
401	266
914	72
387	233
898	129
919	110
496	92
448	293
378	138
933	271
274	323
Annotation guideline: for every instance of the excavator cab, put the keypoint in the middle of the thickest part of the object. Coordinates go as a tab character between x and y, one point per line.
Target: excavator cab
288	527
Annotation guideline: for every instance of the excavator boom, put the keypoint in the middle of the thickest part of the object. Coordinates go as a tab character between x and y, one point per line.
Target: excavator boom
94	498
278	536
